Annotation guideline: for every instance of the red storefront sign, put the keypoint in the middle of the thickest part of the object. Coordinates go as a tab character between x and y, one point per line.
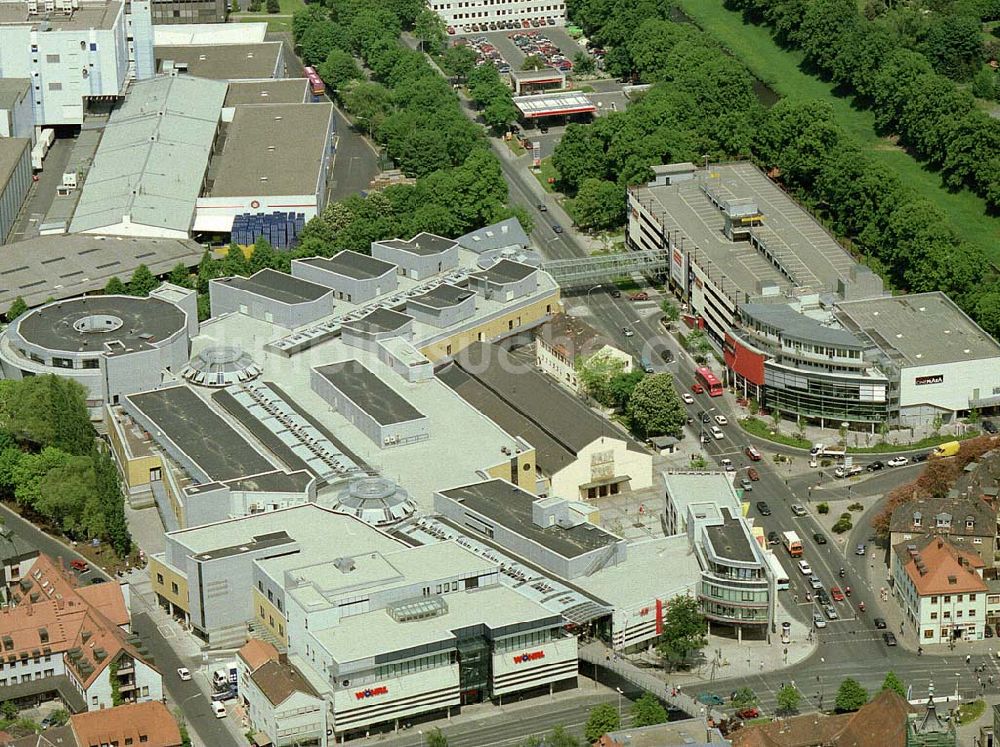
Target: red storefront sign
659	617
533	656
744	360
371	692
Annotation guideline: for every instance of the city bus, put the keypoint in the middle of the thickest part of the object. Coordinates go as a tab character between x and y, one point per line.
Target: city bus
316	86
780	577
709	381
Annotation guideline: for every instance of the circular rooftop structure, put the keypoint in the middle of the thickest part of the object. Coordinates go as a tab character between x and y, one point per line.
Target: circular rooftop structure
514	253
375	500
221	366
102	324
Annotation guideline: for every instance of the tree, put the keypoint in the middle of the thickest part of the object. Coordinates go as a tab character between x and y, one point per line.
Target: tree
318	40
9	710
954	45
670	311
370	103
115	287
788	699
435	738
583	63
16	309
263	257
59	717
338	69
654	409
744	697
579	155
273	6
180	275
596	373
599	205
892	682
458	60
500	113
684	630
235	262
602	719
429	28
621	386
850	696
647	711
985	84
142	282
534	62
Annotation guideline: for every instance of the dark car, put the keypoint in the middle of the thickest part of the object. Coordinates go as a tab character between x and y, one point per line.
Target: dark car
705	417
880	623
773	538
667	356
557	229
822	596
710	699
988	631
763	508
615	293
989	426
920	457
543	207
889	638
97	580
875	466
819	538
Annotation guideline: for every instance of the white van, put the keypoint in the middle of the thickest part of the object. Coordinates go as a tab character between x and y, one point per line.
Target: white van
218	709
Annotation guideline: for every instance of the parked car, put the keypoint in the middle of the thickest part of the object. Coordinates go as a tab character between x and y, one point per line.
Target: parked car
97	580
753	474
627	331
773	538
818	620
746	485
822	597
727	464
697	388
815	582
988	631
860	549
880	623
218	709
688	399
798	509
922	457
805	568
837	594
875	466
640	296
831	612
721	420
752	454
898	461
184	673
989	426
710	699
763	508
615	293
889	638
79	566
819	538
748	713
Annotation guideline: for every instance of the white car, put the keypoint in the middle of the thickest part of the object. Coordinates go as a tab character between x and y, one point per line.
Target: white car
717	432
805	568
815	582
688	399
627	331
727	464
721	420
798	510
184	673
898	461
818	620
218	709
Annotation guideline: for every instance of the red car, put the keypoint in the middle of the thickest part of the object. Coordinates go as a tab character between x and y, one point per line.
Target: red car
79	565
697	388
753	474
752	453
640	296
837	594
747	713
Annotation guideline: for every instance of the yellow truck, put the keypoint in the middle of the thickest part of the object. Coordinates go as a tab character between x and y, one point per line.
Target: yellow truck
947	449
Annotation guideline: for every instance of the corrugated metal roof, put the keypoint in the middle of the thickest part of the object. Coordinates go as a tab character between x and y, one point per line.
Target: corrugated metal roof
153	156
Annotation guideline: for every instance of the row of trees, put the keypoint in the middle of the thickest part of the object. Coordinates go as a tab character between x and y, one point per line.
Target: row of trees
850	695
910	97
52	465
649	403
705	105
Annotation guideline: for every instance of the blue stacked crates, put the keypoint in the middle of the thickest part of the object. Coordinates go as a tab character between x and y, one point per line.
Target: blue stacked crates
282	230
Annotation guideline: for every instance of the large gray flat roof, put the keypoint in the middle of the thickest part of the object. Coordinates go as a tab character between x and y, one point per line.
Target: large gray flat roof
90	15
506	271
269	91
423	244
810	256
352	264
369	392
919	329
72	264
195	428
11	150
379	320
223	61
442	296
273	150
800	326
153	156
12	89
729	540
495	236
144	321
508	505
278	286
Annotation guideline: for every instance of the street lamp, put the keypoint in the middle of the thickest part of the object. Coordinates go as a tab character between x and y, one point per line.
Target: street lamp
620	693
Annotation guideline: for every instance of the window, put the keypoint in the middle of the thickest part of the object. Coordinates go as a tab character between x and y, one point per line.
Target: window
262	612
947	599
91	363
972	597
52	59
260	585
959	599
933	600
972	613
93	48
270	595
128	741
145	694
281	629
174	588
947	614
57	87
958	614
159	579
934	616
928	634
61	362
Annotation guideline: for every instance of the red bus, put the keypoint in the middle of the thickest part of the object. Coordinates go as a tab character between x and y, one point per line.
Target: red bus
316	85
708	380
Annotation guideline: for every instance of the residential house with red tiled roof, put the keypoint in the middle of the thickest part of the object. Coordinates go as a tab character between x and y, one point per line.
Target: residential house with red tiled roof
941	590
135	725
59	639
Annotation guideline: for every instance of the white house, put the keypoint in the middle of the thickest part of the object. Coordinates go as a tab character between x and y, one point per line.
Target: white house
564	340
941	590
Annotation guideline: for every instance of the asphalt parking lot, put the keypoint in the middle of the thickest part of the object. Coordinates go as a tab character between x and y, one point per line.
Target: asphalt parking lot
510	52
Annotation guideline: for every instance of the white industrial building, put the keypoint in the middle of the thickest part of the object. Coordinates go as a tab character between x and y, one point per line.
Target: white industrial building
457	13
75	53
16	118
15	180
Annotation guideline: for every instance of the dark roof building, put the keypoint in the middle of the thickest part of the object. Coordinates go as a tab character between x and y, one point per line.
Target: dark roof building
970	524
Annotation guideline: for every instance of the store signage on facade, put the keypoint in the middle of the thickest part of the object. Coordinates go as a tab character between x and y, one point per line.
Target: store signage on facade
371	692
533	656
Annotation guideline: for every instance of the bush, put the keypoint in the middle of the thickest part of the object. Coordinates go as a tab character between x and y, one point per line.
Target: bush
855	507
843	525
846	516
823	508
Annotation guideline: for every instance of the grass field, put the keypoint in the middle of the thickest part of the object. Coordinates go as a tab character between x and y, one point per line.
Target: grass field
779	68
274	25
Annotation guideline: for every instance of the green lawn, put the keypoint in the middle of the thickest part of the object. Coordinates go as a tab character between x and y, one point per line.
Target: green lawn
287	7
779	68
274	25
546	172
